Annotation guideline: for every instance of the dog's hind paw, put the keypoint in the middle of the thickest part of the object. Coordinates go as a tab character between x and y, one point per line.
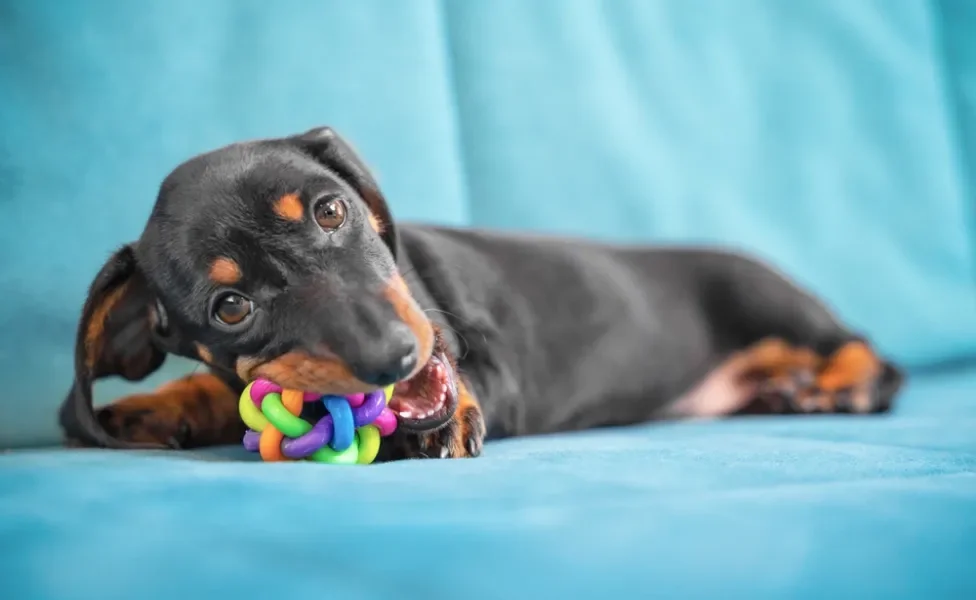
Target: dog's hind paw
851	380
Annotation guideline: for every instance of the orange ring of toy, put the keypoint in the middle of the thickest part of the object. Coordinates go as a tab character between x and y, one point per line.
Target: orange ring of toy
269	445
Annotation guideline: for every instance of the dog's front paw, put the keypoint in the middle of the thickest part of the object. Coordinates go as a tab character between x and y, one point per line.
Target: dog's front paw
461	437
195	411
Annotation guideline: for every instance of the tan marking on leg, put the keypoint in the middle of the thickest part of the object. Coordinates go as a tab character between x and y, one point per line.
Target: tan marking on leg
469	423
732	385
853	364
201	405
810	381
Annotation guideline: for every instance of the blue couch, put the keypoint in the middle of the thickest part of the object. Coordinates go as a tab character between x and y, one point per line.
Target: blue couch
835	138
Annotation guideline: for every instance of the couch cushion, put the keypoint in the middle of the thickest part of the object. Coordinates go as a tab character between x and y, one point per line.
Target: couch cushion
788	507
819	134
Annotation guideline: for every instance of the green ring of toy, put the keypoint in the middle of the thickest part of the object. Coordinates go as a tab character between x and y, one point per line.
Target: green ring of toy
284	421
349	456
368	437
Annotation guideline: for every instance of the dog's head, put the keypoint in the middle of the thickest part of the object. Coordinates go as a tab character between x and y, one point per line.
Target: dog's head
276	259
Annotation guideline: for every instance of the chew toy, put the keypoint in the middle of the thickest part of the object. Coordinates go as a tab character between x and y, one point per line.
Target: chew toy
349	434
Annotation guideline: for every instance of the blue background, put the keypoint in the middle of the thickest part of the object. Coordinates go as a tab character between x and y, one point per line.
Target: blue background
835	138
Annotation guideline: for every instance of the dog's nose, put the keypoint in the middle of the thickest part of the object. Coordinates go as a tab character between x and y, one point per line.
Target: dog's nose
393	362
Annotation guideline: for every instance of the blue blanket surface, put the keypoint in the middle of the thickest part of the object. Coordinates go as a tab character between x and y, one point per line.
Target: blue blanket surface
872	507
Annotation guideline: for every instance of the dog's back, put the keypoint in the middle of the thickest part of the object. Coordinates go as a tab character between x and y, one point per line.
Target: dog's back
560	334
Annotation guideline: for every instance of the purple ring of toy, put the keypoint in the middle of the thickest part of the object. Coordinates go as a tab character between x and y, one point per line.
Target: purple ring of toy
371	408
318	437
251	440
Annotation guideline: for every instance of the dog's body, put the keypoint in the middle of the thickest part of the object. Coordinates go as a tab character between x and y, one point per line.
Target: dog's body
557	334
513	334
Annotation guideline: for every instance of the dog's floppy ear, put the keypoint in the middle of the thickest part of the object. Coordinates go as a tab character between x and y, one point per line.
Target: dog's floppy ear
114	338
328	147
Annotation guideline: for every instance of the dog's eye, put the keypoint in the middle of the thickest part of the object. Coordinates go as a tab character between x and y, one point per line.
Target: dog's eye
232	309
330	213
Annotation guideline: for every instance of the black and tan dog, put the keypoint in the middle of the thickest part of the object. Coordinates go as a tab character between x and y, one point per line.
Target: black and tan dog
280	258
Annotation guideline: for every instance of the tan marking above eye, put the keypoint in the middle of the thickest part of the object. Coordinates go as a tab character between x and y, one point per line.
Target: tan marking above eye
225	271
289	207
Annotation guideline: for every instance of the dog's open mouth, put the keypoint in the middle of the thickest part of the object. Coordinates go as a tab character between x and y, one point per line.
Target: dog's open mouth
427	400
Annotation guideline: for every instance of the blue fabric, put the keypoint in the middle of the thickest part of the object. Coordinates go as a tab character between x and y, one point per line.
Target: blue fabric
835	138
800	508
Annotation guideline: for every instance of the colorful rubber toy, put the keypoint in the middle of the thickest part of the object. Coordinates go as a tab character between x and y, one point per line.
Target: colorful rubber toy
349	434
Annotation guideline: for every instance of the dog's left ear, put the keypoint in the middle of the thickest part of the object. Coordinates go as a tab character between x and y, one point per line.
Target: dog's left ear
327	147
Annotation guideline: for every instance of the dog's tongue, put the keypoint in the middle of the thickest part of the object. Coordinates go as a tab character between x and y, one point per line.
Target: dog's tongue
426	399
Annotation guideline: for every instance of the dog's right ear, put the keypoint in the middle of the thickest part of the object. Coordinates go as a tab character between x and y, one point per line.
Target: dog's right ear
115	337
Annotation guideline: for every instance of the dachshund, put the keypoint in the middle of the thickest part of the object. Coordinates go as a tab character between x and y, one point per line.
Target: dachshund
280	258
